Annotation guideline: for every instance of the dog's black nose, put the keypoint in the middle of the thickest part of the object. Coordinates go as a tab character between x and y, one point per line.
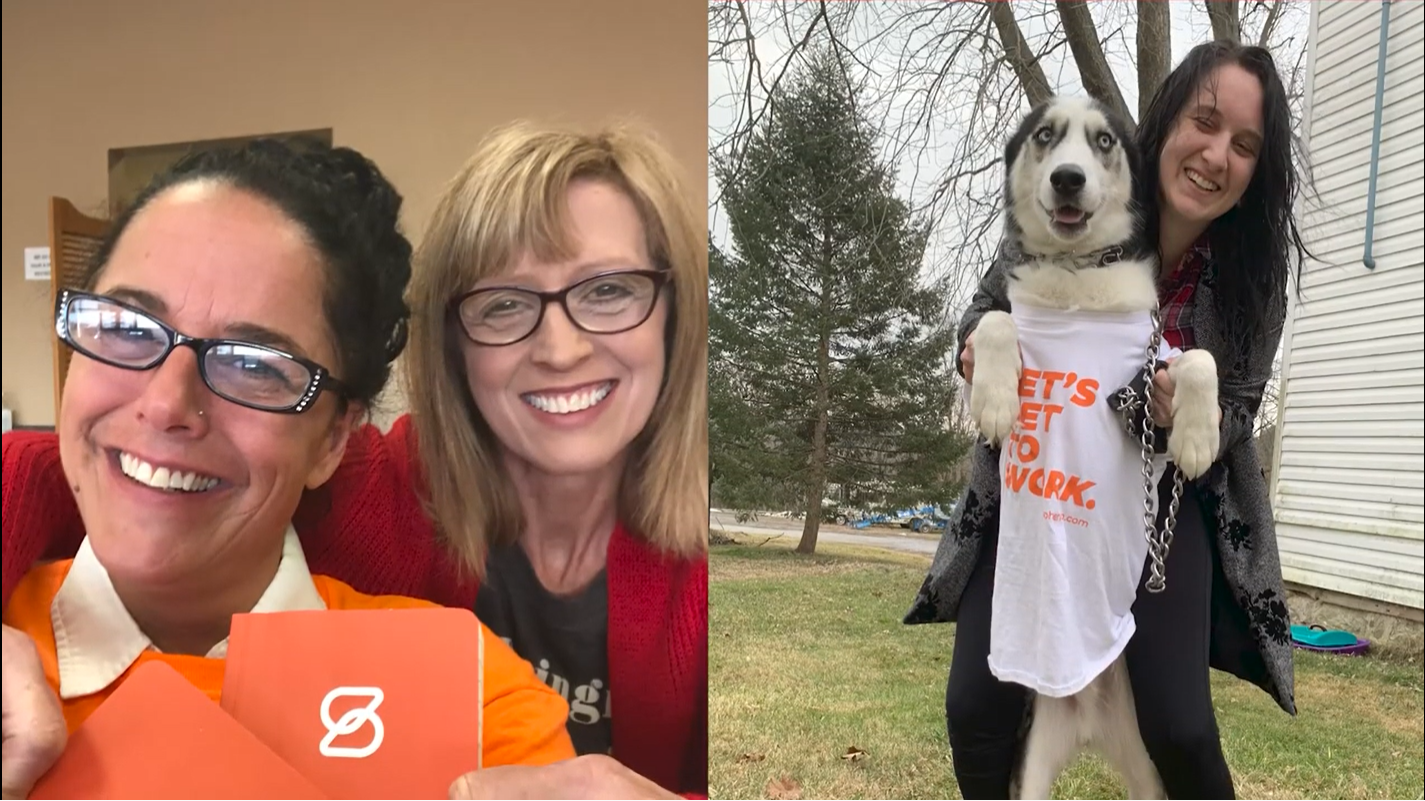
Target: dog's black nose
1067	180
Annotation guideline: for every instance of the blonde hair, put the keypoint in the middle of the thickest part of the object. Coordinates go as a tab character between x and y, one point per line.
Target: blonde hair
510	198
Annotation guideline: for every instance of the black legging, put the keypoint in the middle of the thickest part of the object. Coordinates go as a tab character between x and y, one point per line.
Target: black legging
1167	667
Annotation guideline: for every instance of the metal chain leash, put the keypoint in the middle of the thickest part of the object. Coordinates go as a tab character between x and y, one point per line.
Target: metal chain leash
1158	541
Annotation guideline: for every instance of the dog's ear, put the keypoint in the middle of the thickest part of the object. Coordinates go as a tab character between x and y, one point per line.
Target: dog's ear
1129	144
1131	154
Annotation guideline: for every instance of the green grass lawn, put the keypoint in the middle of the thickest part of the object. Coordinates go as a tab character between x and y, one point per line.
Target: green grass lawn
809	660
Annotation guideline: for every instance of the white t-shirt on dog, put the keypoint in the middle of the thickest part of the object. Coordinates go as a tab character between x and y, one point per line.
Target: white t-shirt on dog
1071	543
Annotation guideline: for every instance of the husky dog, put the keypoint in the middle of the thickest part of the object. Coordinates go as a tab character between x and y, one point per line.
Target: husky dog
1073	226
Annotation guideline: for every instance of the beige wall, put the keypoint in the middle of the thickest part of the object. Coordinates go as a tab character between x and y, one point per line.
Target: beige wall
411	84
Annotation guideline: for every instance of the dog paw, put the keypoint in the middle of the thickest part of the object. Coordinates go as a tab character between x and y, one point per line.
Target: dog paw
994	396
994	405
1194	437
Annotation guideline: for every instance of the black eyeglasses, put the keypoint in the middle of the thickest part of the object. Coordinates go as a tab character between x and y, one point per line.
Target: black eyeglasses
608	303
255	376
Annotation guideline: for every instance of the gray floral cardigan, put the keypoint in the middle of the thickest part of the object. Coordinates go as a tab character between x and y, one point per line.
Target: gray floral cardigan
1251	632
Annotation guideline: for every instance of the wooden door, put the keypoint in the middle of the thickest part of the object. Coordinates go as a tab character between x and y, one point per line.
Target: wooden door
74	240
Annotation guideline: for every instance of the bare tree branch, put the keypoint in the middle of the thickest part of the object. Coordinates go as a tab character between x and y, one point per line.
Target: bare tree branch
1226	25
1088	54
754	73
1267	27
1155	47
1021	58
842	53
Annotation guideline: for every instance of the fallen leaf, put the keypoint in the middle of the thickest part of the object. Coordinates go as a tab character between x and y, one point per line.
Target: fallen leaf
784	789
751	757
854	754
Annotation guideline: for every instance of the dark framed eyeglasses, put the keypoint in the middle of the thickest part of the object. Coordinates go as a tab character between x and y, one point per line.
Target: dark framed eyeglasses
607	303
256	376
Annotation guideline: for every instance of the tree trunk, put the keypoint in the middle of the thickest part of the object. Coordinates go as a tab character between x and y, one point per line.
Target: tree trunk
1017	52
1226	25
816	479
1155	48
1088	55
816	466
1270	25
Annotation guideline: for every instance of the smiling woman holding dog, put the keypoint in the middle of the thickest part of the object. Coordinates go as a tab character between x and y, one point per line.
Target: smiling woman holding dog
1218	186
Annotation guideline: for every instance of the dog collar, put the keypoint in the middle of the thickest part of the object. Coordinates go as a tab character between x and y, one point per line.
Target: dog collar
1100	258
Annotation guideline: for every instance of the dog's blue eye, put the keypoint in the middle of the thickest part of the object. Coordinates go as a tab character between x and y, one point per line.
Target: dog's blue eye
1043	135
1105	141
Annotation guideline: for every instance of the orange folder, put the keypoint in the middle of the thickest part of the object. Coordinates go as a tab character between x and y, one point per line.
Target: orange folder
158	736
372	703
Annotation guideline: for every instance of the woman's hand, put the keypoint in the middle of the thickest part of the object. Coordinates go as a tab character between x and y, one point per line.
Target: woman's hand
593	776
32	723
1162	407
967	359
1163	389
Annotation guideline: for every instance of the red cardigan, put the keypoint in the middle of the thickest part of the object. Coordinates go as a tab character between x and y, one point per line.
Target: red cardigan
366	527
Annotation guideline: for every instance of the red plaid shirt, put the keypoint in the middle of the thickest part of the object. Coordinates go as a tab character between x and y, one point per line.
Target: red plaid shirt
1175	296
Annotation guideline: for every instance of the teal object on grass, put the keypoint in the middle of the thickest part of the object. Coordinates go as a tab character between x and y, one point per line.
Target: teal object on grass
1319	637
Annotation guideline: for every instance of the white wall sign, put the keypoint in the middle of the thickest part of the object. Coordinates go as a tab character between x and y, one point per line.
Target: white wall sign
36	264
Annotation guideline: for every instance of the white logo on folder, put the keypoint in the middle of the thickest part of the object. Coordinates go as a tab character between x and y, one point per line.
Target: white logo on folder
352	721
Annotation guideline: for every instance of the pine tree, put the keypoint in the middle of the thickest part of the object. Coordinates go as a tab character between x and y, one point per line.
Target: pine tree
828	356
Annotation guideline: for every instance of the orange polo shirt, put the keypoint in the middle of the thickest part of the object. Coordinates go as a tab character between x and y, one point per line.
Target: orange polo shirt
524	720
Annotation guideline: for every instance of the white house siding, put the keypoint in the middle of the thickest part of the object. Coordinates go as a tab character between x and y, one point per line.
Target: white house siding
1349	480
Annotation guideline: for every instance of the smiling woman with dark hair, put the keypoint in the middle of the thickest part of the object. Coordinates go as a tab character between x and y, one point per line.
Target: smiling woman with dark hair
1221	184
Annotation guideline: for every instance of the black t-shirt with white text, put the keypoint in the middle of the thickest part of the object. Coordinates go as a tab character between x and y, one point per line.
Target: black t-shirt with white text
565	638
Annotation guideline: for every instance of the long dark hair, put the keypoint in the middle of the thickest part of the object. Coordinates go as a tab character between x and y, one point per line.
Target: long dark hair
1253	242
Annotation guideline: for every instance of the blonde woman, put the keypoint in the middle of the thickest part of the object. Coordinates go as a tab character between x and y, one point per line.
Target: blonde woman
557	380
